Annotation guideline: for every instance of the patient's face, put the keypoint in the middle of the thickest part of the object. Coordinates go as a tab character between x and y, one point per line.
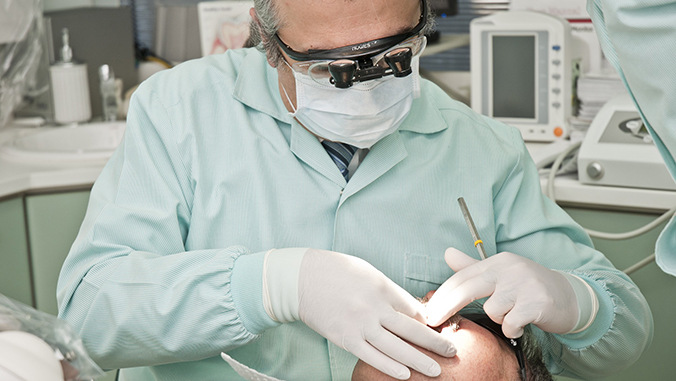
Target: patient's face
480	356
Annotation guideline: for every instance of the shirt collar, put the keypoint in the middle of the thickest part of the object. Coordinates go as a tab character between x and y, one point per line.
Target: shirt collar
257	86
425	117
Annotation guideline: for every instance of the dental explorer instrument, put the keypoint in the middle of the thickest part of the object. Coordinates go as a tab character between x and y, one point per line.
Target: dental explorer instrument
478	243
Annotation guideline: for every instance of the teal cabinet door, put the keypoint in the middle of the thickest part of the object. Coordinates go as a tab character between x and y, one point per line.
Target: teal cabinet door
15	279
659	289
53	223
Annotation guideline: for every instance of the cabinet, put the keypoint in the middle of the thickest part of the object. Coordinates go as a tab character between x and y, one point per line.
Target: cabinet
53	222
49	227
15	278
36	233
659	289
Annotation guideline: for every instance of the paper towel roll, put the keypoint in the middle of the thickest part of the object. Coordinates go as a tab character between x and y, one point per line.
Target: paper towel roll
70	89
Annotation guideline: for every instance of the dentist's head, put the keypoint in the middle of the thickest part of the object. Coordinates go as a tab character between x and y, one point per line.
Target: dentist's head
347	70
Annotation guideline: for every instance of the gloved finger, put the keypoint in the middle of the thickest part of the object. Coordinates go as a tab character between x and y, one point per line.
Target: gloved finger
370	355
404	353
452	296
408	305
418	334
465	267
457	260
499	305
514	321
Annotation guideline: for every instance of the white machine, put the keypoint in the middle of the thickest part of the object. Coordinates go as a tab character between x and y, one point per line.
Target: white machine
524	67
618	150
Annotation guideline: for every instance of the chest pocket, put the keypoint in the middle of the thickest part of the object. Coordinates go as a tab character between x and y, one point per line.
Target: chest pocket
423	273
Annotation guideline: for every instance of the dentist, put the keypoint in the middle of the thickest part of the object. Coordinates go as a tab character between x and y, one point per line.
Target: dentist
284	204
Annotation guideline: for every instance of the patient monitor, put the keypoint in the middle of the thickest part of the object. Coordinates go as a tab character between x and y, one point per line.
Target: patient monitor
524	67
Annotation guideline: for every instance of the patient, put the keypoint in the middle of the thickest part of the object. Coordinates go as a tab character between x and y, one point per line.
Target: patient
483	354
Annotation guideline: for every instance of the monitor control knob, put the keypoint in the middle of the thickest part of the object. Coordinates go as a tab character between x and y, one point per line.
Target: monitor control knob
595	170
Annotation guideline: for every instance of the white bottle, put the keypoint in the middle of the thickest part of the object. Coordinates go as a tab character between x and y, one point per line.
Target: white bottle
108	93
70	87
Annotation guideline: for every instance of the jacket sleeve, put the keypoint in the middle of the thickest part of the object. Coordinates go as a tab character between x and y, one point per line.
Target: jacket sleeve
128	285
638	39
531	225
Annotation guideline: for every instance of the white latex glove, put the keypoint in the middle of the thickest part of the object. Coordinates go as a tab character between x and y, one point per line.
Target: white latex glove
351	303
521	292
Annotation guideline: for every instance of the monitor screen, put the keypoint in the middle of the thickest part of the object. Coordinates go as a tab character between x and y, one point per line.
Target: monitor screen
514	76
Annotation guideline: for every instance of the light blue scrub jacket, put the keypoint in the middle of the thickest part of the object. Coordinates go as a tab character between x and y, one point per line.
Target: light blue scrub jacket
639	39
213	172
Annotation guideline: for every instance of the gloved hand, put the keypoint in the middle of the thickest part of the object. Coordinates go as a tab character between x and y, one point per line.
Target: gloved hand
521	292
352	304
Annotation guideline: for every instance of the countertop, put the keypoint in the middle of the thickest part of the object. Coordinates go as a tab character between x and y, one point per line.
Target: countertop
19	177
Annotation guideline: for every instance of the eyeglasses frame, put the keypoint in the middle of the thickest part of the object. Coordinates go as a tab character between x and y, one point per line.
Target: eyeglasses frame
358	51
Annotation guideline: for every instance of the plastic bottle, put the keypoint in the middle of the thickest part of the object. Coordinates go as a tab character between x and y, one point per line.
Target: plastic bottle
108	93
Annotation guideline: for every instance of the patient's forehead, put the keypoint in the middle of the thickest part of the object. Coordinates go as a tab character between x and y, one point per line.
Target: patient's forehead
480	356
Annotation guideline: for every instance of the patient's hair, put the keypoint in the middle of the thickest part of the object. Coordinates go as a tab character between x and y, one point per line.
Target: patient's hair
535	365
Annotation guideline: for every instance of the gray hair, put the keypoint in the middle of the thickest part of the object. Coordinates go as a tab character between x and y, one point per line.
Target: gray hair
261	33
536	369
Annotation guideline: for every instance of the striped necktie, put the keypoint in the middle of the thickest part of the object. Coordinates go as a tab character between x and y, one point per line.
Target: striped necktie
341	154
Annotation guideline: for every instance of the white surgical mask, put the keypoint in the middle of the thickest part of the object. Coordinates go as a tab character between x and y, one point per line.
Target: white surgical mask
360	115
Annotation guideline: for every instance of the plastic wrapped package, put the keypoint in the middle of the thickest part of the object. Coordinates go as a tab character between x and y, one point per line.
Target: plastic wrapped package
20	30
65	342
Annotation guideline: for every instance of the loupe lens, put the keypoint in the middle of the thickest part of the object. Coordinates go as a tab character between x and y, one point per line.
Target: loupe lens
399	60
415	44
342	72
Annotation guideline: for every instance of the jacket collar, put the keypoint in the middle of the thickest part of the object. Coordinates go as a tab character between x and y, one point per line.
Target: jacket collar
257	86
424	108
